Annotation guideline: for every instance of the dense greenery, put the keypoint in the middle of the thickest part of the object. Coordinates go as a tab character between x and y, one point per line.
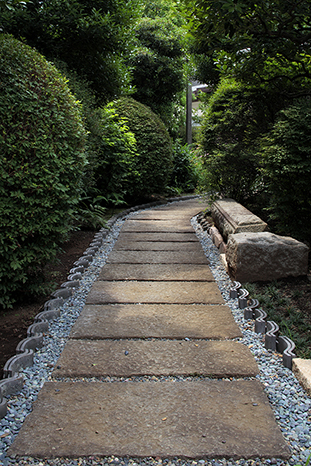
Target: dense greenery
42	142
255	142
233	120
286	160
158	62
153	162
93	37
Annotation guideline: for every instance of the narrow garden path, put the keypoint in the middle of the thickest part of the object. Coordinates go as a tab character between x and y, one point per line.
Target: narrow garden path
148	368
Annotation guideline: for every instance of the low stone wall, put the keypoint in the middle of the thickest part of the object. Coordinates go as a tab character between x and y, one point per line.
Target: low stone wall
250	253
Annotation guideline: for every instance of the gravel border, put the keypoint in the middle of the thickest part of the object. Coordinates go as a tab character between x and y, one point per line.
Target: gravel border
291	405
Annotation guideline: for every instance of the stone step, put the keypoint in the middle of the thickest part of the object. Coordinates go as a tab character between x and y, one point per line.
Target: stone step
124	245
128	358
158	272
191	419
165	226
158	237
104	292
155	320
157	257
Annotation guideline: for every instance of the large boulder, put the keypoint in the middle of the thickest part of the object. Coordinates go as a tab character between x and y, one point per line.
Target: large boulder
231	217
264	256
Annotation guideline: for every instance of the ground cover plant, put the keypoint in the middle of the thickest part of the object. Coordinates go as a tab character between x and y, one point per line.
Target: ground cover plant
288	303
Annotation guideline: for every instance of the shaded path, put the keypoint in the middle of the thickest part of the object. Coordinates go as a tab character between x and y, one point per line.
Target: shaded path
155	312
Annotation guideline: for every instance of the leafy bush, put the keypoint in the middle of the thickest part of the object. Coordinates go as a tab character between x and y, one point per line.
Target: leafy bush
185	172
110	149
42	142
232	122
286	154
153	162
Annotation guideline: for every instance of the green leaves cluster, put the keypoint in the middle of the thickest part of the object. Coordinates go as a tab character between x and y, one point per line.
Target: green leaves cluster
152	164
42	141
93	38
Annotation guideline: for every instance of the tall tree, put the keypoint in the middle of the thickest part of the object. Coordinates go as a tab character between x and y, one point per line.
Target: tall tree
263	43
93	37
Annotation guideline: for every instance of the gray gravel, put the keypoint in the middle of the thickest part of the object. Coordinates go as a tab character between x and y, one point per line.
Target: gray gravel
290	403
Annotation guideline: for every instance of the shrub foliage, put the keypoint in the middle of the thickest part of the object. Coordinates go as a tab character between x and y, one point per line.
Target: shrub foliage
153	162
286	155
42	159
232	122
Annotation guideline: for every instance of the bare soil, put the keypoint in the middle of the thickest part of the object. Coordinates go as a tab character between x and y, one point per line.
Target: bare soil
15	322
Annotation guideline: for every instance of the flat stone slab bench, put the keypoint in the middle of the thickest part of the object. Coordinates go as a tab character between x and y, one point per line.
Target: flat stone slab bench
155	321
231	217
190	419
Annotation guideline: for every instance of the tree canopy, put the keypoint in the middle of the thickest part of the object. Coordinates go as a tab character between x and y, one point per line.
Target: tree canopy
93	37
263	43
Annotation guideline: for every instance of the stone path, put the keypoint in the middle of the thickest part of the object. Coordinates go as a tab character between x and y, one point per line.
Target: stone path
156	323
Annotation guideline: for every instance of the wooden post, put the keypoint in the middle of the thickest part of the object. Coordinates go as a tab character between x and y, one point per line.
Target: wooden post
189	115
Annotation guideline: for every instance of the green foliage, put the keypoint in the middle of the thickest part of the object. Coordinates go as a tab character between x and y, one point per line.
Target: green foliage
42	142
114	168
92	37
153	163
110	148
157	64
233	120
185	173
262	43
286	154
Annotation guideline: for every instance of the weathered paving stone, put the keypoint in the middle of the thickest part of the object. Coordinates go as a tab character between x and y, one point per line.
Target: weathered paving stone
158	237
155	320
104	292
208	418
158	272
124	245
166	226
157	257
127	358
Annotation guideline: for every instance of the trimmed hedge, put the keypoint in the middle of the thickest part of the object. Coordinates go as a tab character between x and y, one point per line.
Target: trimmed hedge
153	162
42	141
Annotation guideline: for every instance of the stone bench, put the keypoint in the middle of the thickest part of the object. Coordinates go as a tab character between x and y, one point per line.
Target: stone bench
231	217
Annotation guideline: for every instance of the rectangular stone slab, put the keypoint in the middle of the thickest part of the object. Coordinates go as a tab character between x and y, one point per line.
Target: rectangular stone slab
104	292
155	320
163	237
157	257
166	226
158	272
208	418
128	358
125	245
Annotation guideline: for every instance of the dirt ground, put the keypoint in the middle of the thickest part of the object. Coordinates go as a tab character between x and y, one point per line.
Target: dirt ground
14	322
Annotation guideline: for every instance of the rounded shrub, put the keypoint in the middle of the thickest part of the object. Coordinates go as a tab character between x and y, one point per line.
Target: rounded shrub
153	161
233	120
42	141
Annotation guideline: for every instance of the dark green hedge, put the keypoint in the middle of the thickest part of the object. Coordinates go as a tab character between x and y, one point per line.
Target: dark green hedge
42	159
153	161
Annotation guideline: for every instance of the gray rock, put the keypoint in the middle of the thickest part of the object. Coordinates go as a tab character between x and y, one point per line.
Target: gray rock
264	256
